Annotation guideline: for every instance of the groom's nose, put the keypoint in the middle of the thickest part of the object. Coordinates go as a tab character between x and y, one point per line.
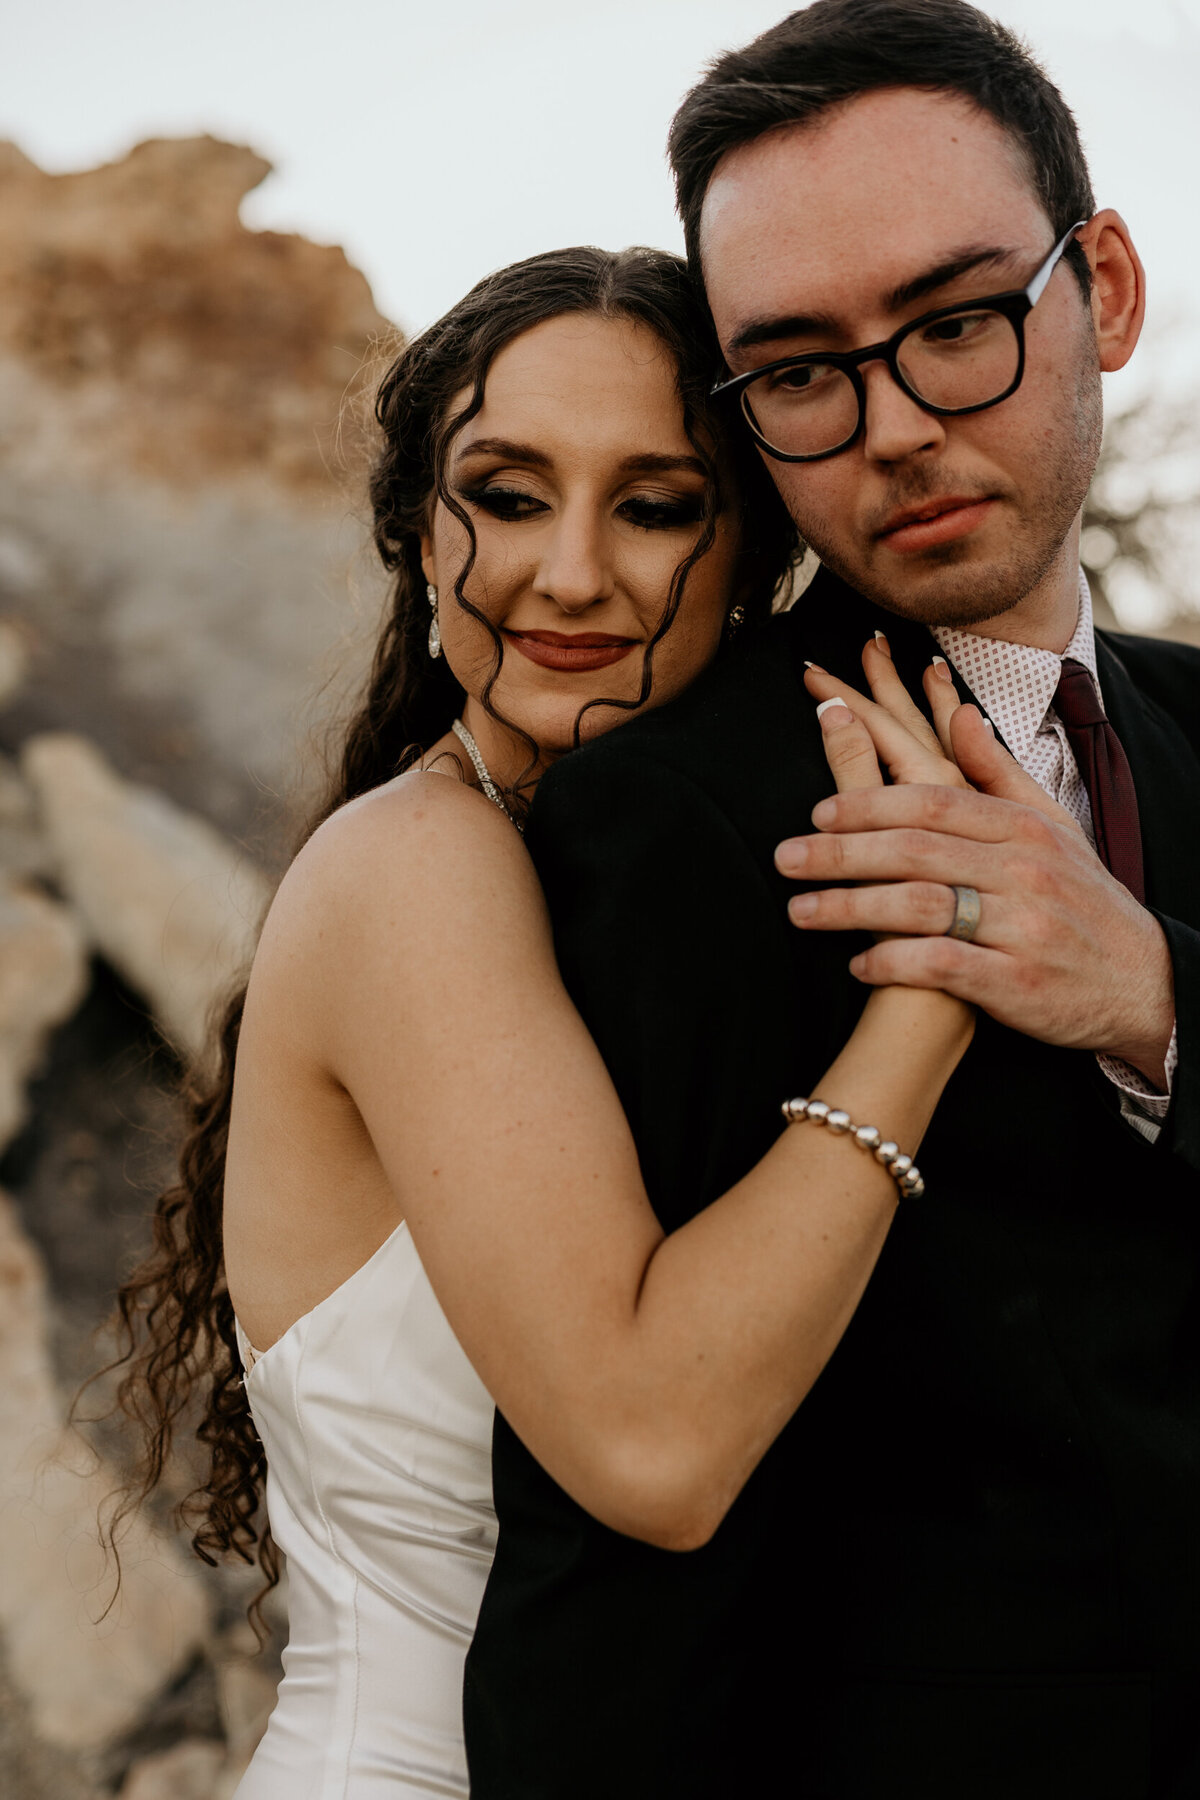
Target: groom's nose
895	427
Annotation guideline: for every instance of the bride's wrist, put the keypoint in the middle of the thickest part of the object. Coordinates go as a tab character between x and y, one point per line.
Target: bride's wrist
925	1013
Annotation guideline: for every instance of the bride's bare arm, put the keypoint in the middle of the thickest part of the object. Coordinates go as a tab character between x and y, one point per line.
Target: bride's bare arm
648	1373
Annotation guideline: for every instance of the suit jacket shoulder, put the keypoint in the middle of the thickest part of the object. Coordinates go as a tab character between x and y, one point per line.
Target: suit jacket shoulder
738	710
1165	671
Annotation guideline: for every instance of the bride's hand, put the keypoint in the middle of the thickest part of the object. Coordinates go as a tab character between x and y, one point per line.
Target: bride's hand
906	745
860	734
959	749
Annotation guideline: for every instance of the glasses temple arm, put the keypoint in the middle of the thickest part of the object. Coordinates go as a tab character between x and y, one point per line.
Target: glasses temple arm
1037	286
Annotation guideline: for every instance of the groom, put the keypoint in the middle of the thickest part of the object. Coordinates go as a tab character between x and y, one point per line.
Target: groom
969	1568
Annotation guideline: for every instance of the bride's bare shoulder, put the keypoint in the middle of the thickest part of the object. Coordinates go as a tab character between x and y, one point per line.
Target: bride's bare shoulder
424	845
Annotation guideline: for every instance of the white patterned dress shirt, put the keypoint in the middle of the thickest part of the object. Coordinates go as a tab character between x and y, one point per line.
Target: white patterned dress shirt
1015	684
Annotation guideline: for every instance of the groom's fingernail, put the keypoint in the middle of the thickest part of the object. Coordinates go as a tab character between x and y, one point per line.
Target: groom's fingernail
802	906
942	668
826	708
790	855
882	644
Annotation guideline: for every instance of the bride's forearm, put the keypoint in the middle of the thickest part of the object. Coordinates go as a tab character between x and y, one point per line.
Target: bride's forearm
647	1374
801	1234
907	1044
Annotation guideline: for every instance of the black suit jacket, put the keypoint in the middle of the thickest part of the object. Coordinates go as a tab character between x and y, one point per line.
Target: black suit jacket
968	1569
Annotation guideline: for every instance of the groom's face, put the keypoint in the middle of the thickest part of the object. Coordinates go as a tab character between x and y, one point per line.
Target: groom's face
832	235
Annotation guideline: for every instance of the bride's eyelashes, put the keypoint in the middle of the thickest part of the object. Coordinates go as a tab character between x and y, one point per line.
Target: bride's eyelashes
509	504
652	512
656	513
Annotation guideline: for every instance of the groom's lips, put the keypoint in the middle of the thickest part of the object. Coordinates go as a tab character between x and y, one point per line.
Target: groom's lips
571	651
936	522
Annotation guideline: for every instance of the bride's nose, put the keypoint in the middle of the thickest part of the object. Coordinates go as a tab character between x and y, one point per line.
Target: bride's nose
575	566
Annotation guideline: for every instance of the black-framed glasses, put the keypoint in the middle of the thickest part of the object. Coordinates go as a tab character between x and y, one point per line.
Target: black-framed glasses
957	359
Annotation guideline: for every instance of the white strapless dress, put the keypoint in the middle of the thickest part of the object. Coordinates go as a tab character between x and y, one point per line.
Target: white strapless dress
378	1436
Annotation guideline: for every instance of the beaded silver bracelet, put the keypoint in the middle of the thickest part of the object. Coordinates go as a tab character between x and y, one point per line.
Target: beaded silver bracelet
901	1168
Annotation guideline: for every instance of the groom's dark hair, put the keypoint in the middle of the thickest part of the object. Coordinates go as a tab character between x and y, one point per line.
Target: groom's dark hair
834	50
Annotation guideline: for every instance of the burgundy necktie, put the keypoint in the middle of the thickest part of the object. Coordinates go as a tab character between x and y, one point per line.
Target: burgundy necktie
1106	775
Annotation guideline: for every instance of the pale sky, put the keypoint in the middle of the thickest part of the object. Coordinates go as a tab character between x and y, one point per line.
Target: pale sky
435	142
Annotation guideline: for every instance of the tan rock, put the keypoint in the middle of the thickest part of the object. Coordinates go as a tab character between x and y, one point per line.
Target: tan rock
24	569
164	897
31	1769
23	849
14	660
188	343
246	1692
84	1678
43	978
188	1771
184	422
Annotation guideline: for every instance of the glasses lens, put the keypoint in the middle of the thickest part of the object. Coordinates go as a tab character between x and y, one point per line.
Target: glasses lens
806	410
964	359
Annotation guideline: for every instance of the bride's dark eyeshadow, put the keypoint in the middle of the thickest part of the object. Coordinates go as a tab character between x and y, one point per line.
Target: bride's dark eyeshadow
665	515
652	514
500	501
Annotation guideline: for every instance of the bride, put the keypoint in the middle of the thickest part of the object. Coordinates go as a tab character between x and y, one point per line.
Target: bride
408	1191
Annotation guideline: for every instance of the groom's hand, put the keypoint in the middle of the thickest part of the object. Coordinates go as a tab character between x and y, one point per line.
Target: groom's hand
1062	953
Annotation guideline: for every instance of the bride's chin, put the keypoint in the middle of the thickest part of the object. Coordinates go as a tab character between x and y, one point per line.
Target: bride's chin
552	724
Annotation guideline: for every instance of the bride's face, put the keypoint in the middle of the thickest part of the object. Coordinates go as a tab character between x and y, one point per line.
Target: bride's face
585	495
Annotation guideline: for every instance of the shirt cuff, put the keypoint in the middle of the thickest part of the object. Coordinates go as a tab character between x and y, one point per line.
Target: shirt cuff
1138	1097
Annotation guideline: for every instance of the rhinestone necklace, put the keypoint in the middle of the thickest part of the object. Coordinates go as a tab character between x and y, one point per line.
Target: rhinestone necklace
485	781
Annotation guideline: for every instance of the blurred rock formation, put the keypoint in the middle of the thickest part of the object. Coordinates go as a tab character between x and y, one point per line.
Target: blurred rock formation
186	594
181	444
86	1679
172	906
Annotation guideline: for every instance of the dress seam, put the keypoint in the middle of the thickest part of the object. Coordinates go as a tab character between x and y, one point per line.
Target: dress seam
339	1559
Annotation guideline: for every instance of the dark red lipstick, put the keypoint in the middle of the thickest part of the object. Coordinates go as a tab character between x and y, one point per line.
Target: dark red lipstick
571	651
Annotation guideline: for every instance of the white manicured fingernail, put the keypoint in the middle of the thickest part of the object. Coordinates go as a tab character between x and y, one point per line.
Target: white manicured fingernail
882	643
990	726
826	704
943	668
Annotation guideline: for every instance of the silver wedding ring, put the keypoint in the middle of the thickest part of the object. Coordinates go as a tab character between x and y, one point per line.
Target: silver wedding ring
966	914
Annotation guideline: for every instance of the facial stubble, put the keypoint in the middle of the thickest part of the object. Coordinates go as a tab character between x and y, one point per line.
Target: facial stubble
1046	506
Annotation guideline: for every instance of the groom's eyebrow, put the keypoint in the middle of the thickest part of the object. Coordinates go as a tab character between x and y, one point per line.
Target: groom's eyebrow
962	262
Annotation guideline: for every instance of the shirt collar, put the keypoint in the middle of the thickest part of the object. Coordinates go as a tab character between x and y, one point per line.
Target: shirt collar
1015	683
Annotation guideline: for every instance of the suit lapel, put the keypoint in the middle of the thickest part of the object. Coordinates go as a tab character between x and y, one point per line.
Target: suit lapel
1166	776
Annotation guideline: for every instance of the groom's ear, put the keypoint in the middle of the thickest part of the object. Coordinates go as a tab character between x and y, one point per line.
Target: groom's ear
1118	287
755	569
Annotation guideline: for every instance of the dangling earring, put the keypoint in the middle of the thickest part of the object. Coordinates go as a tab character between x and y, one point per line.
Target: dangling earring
435	635
736	619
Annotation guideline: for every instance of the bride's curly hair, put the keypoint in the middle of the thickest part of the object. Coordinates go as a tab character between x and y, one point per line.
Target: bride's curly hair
177	1348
